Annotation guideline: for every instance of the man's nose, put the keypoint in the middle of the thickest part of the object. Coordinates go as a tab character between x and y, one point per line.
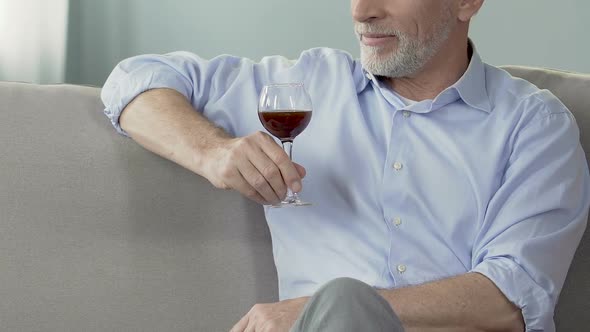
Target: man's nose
366	10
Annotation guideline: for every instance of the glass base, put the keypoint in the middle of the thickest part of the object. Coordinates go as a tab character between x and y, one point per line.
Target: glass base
291	201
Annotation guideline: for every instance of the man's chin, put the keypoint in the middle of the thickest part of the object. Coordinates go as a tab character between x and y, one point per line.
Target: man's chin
371	63
383	68
373	69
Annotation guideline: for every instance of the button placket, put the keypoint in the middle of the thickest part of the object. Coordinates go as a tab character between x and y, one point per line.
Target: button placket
396	168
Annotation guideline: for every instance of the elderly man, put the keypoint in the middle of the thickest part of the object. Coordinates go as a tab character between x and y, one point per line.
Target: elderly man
447	195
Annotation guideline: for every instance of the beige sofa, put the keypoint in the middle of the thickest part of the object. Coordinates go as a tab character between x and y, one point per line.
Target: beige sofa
97	234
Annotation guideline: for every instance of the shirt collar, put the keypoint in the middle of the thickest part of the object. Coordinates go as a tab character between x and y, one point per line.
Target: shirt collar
471	87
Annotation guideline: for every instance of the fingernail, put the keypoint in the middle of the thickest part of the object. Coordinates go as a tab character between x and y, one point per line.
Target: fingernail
296	186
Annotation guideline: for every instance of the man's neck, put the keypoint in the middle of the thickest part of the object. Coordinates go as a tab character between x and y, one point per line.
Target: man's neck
442	71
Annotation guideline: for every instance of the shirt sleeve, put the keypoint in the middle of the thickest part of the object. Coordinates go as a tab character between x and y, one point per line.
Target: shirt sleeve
203	82
535	220
136	75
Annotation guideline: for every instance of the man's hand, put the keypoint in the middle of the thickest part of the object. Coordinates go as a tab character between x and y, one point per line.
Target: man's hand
164	122
256	166
271	317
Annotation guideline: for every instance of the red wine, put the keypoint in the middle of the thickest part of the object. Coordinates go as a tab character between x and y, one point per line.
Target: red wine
285	125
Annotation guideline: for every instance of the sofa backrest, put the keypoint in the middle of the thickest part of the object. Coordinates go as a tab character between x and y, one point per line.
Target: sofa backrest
98	234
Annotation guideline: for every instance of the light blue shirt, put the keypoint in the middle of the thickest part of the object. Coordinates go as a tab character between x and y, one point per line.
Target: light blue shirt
487	177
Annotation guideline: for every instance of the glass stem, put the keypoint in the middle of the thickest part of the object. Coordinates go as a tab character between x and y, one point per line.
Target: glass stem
288	147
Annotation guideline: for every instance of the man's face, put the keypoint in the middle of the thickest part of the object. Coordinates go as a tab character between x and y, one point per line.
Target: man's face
398	37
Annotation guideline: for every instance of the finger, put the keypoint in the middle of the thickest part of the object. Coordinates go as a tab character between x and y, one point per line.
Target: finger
238	183
258	182
290	174
301	170
241	324
270	171
251	326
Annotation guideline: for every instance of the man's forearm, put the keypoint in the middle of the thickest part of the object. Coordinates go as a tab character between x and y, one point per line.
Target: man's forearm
470	302
164	122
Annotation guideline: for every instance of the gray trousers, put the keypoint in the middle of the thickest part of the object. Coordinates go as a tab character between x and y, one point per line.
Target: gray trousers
347	305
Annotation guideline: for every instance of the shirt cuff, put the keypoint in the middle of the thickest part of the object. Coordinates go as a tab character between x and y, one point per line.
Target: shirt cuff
117	96
517	285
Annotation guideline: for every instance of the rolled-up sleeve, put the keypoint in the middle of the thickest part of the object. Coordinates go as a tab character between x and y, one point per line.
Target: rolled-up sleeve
136	75
535	220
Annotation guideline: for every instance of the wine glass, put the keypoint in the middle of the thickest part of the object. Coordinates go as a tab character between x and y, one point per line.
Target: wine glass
285	111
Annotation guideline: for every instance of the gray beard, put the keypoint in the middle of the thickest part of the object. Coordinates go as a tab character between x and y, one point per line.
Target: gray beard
411	55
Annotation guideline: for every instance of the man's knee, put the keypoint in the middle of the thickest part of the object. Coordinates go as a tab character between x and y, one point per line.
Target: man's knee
345	288
346	304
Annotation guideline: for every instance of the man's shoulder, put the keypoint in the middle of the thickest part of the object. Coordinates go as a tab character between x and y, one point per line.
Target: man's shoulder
312	55
316	56
508	93
316	64
328	53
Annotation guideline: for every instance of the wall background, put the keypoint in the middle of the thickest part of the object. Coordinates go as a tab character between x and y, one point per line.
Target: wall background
544	33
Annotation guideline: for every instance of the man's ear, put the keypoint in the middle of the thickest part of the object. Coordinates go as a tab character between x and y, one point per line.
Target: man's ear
468	9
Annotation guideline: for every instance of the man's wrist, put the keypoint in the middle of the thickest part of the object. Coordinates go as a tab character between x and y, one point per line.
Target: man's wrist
205	152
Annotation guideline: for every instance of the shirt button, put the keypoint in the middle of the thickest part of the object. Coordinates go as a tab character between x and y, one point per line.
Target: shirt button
397	221
407	114
401	268
398	166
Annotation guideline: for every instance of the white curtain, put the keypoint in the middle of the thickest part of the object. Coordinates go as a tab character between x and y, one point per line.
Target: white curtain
33	40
